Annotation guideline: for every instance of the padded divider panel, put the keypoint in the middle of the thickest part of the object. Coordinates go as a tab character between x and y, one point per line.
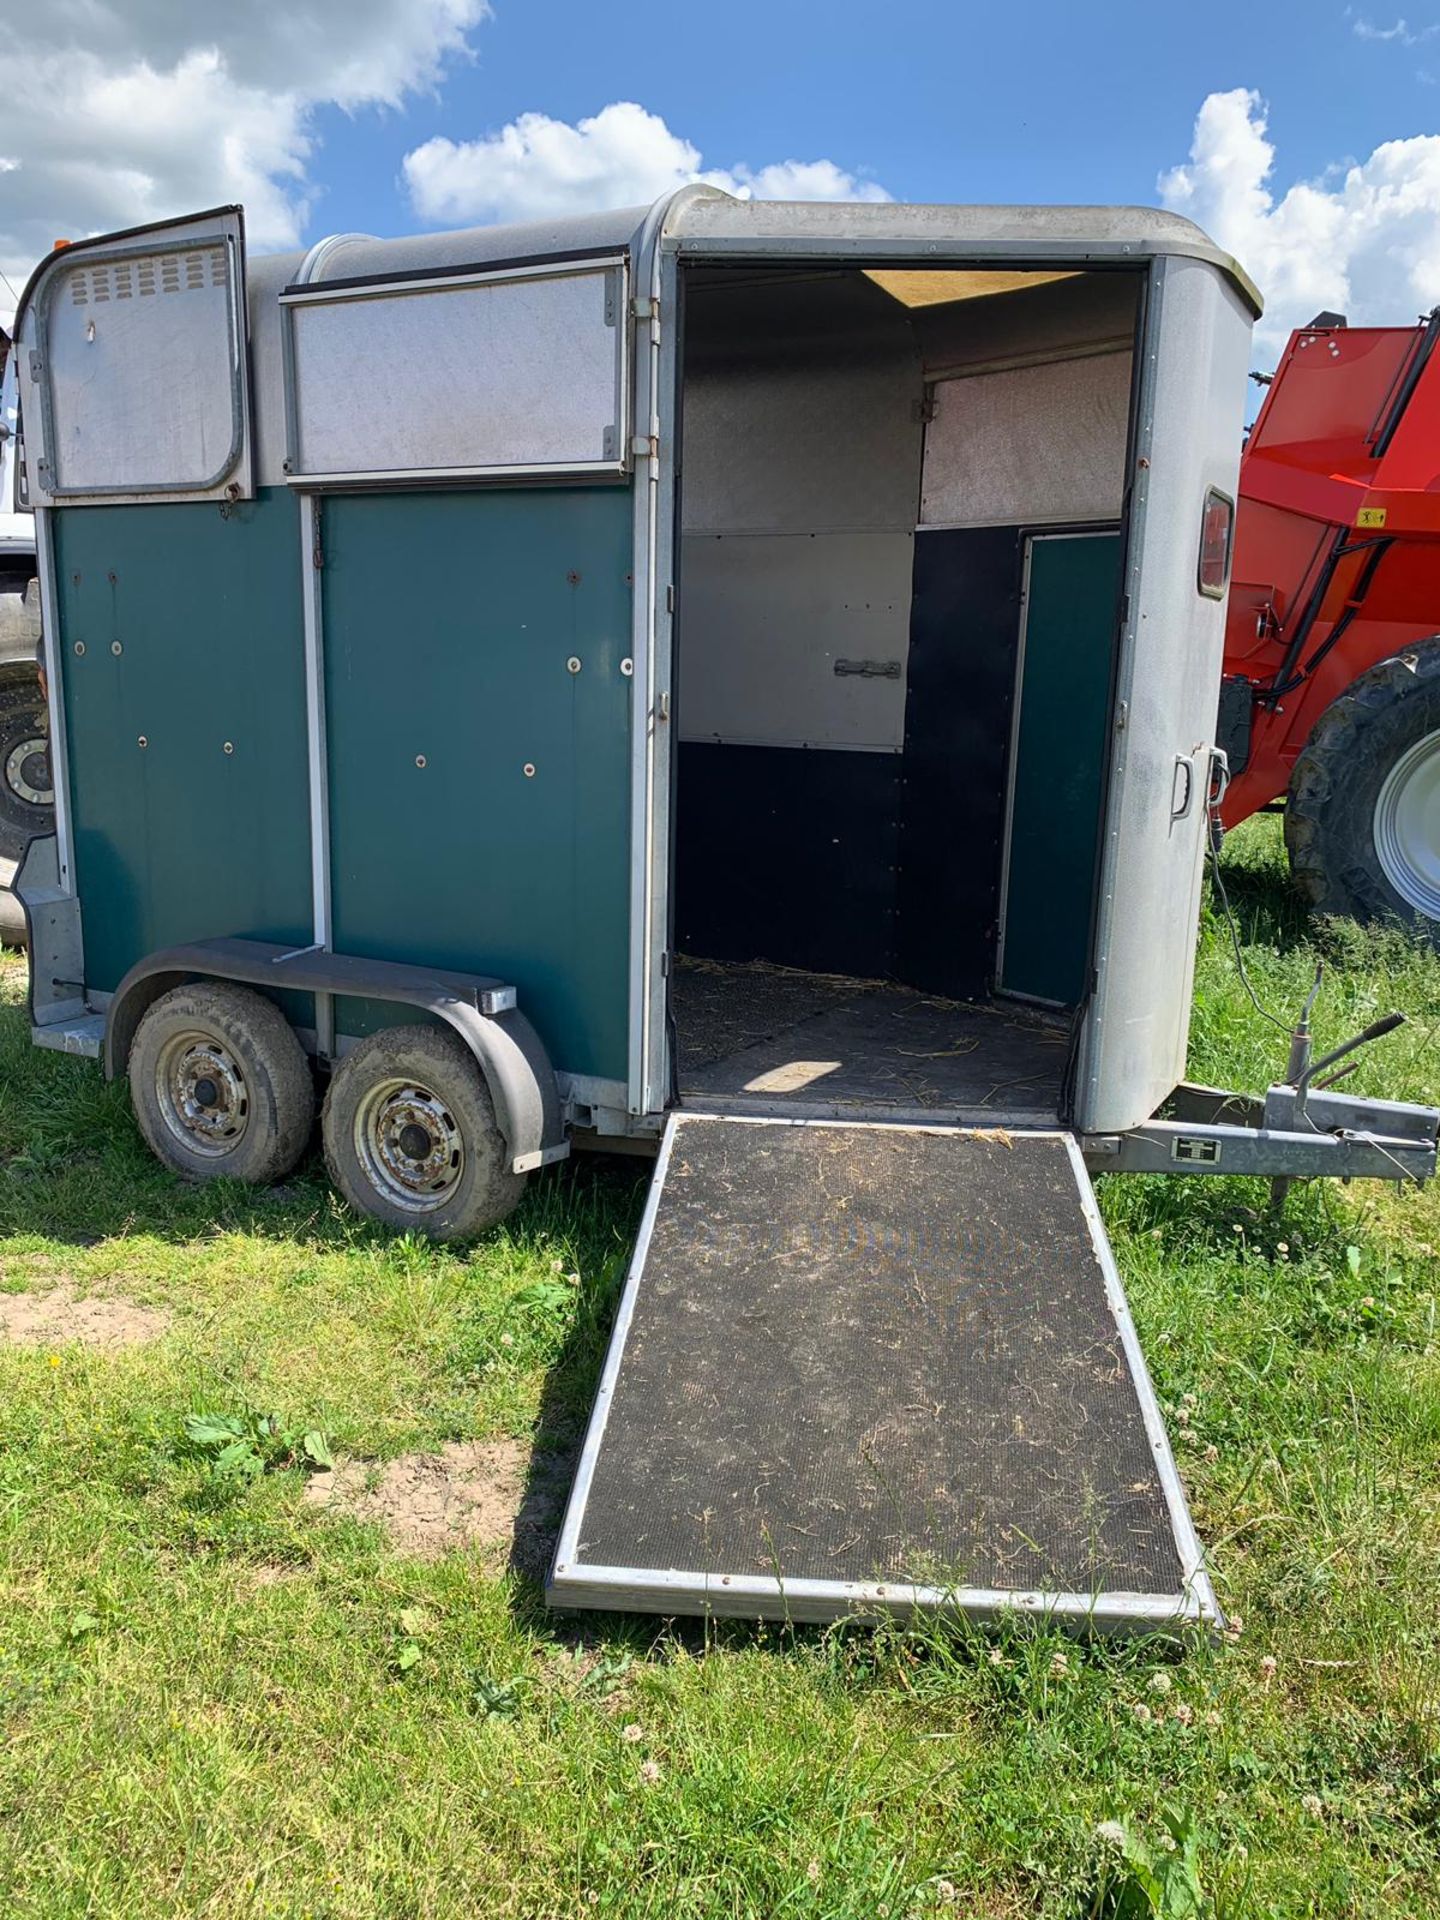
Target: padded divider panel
787	855
963	634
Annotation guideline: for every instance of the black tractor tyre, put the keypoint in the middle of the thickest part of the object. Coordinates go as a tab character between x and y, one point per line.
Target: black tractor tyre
220	1085
1331	824
27	799
411	1137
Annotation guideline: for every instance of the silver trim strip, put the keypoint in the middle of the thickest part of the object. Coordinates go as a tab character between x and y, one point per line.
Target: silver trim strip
568	1544
312	595
328	293
412	476
645	404
55	686
313	264
743	1595
1187	1542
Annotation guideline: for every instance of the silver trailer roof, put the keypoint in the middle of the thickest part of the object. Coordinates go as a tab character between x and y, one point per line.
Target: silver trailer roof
703	220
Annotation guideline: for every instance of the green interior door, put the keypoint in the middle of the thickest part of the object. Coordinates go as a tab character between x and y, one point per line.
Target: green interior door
1061	736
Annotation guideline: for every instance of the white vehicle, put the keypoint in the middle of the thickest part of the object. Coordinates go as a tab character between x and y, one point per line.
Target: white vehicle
26	795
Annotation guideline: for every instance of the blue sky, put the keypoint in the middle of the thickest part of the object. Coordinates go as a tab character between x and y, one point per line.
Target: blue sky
938	102
1303	136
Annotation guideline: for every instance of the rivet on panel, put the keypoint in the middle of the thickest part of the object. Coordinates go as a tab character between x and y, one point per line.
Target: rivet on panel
229	746
420	760
529	769
573	663
142	741
80	646
116	648
627	667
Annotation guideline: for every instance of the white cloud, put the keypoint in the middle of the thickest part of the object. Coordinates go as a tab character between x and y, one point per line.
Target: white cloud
1402	32
118	112
621	156
1364	239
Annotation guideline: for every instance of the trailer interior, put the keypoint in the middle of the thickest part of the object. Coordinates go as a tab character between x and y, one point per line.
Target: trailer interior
900	535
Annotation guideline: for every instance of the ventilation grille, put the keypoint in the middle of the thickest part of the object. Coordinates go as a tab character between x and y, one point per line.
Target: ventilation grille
153	274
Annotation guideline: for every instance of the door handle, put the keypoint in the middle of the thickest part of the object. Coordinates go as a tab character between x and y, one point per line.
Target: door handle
1182	790
1219	775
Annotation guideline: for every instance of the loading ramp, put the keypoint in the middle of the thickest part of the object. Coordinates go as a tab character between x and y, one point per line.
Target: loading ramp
870	1366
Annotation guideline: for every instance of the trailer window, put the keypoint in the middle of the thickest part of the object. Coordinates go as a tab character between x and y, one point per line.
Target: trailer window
1041	443
1217	525
503	374
141	371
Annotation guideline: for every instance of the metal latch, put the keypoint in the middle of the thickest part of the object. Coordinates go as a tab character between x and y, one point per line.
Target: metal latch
869	669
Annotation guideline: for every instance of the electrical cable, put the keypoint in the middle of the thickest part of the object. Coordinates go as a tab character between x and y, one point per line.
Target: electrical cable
1264	1012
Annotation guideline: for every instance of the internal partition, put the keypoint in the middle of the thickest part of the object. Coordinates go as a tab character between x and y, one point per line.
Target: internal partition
901	496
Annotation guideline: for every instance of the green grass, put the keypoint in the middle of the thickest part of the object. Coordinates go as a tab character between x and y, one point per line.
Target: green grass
202	1710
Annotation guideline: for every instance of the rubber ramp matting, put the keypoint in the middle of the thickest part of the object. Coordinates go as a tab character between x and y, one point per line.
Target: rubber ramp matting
860	1364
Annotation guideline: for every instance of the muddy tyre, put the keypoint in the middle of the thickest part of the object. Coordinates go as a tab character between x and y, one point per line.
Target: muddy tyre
1362	822
220	1085
411	1137
27	797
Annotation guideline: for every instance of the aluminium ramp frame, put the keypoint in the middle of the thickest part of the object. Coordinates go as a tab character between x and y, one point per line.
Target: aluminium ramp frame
861	1366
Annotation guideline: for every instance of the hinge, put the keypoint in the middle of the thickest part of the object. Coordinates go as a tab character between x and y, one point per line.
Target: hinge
646	446
644	308
922	412
662	706
37	365
670	598
317	556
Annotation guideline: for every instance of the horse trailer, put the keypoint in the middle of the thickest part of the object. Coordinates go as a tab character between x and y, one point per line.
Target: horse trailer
732	680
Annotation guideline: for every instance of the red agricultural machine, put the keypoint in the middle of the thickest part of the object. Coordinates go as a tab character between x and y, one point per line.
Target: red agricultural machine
1331	696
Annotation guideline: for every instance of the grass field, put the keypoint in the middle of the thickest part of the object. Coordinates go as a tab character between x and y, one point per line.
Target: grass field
219	1699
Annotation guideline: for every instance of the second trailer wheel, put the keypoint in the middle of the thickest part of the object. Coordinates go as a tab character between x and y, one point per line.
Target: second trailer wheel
411	1137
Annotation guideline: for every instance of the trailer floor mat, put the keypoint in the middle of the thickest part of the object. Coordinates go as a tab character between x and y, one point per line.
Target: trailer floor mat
862	1365
757	1038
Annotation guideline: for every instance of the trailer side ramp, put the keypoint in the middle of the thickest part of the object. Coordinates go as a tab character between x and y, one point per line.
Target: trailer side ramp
868	1366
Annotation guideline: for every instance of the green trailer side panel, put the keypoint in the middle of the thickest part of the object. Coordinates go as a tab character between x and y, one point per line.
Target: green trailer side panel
1059	778
450	623
181	625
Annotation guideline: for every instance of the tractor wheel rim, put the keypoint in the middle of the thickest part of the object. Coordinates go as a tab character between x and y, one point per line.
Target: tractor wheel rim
203	1098
27	771
1407	826
409	1145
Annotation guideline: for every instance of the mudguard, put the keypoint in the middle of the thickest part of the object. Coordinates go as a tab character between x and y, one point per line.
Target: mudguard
482	1010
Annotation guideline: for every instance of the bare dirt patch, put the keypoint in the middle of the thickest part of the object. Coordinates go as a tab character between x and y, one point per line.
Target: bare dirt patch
495	1495
60	1314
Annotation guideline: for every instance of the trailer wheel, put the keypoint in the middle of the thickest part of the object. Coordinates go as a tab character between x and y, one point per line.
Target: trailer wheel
220	1085
1362	822
411	1137
27	794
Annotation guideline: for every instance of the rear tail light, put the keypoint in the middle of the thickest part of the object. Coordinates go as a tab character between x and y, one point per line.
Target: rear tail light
1217	527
